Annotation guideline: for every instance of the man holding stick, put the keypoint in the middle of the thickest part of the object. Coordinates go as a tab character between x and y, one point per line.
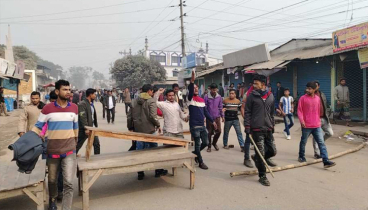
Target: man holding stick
259	122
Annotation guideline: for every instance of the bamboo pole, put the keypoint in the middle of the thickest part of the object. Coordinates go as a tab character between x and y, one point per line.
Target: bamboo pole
291	166
260	155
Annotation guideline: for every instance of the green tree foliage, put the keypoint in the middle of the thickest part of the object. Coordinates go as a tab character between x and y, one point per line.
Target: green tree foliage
22	53
97	76
136	70
78	76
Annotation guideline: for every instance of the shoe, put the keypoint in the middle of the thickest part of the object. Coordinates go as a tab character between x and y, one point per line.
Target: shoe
52	204
226	147
271	163
209	149
285	134
164	172
216	147
241	149
60	196
264	181
317	156
203	166
329	164
248	163
302	159
140	176
288	137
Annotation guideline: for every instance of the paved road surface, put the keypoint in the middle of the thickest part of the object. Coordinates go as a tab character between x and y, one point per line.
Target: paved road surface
342	187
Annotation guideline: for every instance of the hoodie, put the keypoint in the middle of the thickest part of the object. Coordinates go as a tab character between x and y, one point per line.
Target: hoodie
142	117
197	109
214	105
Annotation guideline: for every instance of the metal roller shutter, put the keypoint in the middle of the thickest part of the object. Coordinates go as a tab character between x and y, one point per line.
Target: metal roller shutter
354	80
283	76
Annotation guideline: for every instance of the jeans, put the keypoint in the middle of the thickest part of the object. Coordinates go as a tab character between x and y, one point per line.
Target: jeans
291	124
145	145
127	106
327	129
247	147
227	128
266	145
318	136
68	166
82	138
109	113
176	135
103	111
199	133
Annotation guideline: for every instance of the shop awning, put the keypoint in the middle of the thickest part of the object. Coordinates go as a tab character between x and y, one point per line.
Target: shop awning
272	64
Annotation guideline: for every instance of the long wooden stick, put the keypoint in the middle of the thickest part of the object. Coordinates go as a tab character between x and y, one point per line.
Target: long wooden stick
291	166
260	154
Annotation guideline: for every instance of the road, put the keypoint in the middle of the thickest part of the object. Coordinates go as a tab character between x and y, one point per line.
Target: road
344	186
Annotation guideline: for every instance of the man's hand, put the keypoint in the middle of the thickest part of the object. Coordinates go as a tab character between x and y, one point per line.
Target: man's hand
87	132
186	119
21	134
131	131
158	129
161	91
223	109
215	125
303	125
223	119
292	111
193	77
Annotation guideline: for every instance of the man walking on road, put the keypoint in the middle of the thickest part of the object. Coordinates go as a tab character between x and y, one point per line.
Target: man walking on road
231	106
142	118
30	114
287	109
87	116
342	97
198	112
2	103
62	119
110	103
214	105
259	122
173	115
127	100
309	113
102	100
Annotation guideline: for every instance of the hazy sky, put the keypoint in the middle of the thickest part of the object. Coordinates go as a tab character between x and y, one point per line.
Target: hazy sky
92	32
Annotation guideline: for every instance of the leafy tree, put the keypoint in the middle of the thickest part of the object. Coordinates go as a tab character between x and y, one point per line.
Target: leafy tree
78	76
136	70
98	75
22	53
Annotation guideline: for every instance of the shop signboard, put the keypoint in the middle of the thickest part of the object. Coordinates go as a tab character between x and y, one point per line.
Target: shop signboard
351	38
190	61
363	58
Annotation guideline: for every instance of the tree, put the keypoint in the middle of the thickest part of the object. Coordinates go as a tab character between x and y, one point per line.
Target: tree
78	76
22	53
136	70
98	76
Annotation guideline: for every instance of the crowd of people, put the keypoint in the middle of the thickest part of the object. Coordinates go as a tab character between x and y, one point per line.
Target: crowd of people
63	120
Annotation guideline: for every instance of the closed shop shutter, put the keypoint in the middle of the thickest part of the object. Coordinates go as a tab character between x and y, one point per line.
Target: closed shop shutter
236	81
354	80
283	76
310	71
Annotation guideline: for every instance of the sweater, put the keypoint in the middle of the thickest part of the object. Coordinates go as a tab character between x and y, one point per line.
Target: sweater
231	106
214	105
62	128
197	109
309	111
342	93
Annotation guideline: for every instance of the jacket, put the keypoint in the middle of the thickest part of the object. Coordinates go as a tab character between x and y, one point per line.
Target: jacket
214	105
342	93
75	98
323	98
106	101
280	93
142	117
197	109
85	115
28	118
27	150
221	91
127	98
259	114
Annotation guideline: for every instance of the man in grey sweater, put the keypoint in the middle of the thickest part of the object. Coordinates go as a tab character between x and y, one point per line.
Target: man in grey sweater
342	98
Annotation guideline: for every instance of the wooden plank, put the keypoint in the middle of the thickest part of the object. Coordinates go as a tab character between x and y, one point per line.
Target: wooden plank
174	171
23	180
80	178
40	197
192	175
89	145
85	204
10	178
121	161
17	192
39	173
94	178
33	197
3	170
189	167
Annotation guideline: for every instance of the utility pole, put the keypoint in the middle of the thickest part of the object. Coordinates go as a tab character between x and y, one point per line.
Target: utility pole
182	28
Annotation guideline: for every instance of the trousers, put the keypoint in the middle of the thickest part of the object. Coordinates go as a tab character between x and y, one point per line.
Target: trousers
266	145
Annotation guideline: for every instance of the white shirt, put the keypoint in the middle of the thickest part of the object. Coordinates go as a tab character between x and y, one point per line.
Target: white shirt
180	95
111	103
173	116
287	104
184	92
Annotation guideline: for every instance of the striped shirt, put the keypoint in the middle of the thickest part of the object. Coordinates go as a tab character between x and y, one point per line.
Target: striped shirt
287	103
232	107
62	128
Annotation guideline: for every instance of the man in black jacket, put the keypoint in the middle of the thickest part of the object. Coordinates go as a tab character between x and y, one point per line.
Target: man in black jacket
87	116
259	122
110	103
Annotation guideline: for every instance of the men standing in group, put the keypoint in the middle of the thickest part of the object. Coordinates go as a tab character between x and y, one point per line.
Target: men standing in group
2	103
142	118
261	103
127	100
214	105
231	105
62	119
342	98
30	114
286	107
173	115
87	116
309	113
110	103
221	90
198	112
325	121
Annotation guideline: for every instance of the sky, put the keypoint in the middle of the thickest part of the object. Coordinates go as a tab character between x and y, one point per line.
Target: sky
93	32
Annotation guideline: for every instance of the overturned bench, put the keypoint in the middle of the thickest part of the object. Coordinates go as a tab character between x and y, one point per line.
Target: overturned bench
172	155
